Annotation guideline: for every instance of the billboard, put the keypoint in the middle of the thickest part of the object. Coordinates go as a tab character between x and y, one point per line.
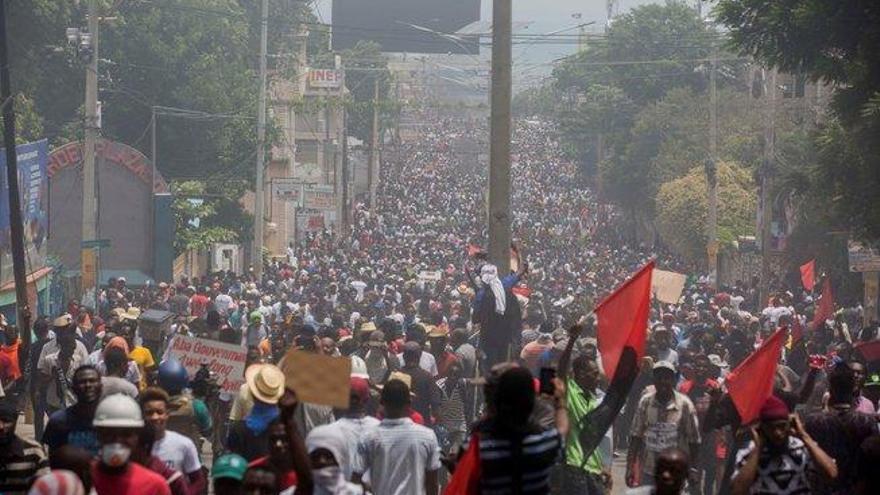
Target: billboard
862	258
410	26
325	78
33	186
319	198
287	189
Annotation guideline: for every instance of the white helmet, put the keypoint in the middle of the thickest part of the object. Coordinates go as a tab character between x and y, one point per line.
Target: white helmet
118	411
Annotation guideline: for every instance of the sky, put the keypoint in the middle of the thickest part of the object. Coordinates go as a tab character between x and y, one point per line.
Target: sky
531	63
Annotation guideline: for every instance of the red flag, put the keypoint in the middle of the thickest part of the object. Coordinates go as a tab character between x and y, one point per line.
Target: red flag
466	478
521	290
808	275
825	308
869	350
751	383
623	319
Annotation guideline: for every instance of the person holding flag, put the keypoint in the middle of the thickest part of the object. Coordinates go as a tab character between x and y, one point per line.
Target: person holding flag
622	325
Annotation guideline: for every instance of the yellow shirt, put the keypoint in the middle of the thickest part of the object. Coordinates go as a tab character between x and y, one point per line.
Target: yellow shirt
144	359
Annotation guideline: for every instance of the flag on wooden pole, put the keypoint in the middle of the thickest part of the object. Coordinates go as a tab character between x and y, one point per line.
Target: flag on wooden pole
808	275
623	319
825	308
751	382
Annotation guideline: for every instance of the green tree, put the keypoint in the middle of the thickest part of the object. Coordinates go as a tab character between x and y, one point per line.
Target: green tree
682	209
834	42
671	136
196	217
647	51
365	67
599	119
28	124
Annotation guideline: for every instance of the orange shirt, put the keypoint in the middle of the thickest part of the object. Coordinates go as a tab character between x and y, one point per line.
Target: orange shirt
10	358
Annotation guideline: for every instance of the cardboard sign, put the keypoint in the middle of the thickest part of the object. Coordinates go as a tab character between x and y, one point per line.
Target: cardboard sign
318	379
430	276
667	286
226	360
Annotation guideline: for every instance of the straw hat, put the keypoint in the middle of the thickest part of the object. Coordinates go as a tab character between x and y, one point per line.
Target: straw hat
265	382
437	331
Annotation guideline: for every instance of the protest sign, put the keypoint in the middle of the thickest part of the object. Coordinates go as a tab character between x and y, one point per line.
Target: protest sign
225	360
430	276
318	379
667	286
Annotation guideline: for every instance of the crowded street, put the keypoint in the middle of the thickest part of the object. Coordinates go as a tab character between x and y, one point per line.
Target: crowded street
419	248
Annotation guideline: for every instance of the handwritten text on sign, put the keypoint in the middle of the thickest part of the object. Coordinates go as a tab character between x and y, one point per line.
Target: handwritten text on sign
225	360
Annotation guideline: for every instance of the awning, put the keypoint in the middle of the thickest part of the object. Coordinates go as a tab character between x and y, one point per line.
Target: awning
7	291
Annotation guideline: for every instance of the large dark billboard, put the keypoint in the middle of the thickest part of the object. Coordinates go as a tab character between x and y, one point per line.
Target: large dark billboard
410	26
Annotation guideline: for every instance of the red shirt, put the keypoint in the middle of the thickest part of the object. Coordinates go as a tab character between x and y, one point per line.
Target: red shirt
198	305
444	362
288	479
135	480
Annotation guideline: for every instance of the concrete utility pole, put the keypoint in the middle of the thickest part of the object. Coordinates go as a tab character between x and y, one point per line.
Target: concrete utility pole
373	172
343	221
16	227
89	259
766	183
259	187
499	146
712	173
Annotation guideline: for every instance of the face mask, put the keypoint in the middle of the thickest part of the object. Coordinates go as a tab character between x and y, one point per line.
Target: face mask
115	454
327	477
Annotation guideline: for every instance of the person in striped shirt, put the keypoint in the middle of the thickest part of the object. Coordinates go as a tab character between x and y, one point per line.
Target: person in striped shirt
20	460
516	454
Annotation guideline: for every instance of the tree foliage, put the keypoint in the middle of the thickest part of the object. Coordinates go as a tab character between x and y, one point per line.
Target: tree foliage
646	52
197	218
682	209
366	67
835	42
671	136
199	57
28	124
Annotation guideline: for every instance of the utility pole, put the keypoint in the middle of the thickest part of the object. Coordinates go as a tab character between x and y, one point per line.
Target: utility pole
766	183
343	220
259	189
23	311
89	258
373	172
712	173
499	146
326	149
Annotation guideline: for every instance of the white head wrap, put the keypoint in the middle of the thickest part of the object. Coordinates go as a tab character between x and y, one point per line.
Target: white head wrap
489	276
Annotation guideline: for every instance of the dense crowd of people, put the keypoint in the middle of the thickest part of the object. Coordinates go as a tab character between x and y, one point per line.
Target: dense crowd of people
462	378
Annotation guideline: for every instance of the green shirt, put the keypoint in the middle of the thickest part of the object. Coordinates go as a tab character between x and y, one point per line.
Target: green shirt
579	405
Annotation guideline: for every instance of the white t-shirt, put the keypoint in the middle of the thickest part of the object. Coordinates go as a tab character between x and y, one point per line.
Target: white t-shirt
177	452
223	303
354	430
359	286
427	362
397	453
